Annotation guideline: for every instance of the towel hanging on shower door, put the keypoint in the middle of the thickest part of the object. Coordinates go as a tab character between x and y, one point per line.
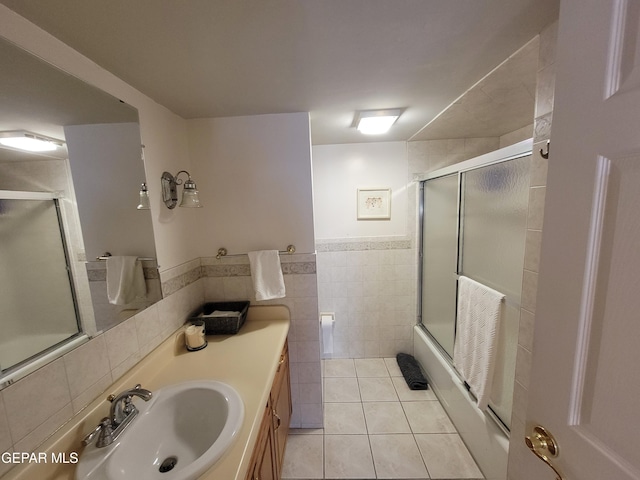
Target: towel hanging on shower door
478	322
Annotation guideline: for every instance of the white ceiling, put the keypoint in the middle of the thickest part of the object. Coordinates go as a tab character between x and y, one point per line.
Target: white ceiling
218	58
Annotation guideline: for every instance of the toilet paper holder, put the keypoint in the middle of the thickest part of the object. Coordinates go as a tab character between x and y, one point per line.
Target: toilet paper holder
327	320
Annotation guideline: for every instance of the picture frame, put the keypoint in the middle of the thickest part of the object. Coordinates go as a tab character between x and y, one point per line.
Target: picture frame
374	204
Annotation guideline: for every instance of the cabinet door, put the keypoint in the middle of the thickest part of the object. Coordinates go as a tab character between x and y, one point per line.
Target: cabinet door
263	465
266	469
272	439
282	406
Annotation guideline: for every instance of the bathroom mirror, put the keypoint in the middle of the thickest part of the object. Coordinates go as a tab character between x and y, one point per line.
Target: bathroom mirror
62	210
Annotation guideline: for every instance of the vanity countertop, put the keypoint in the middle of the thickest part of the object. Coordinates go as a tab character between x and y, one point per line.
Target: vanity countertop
247	361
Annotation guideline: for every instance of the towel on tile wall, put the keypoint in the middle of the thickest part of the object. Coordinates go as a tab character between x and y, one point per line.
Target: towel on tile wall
478	322
266	274
125	280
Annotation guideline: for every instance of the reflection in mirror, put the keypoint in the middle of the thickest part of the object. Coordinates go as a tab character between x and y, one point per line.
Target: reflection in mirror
62	210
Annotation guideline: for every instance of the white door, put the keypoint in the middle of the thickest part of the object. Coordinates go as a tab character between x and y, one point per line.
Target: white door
585	381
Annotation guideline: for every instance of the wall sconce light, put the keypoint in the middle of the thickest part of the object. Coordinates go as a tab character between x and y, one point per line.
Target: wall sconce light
376	122
144	198
170	191
28	141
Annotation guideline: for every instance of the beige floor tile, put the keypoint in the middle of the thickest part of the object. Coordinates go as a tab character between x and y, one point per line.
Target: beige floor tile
447	457
371	367
397	456
377	389
348	456
407	429
385	417
304	457
392	367
341	390
408	395
344	418
339	368
306	431
427	417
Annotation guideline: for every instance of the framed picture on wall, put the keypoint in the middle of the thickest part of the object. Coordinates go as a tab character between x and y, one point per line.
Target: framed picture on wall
374	204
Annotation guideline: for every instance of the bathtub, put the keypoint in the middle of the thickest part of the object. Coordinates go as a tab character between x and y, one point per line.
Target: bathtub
486	441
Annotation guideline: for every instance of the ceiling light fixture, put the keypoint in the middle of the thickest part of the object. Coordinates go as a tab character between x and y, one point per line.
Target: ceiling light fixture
376	122
28	141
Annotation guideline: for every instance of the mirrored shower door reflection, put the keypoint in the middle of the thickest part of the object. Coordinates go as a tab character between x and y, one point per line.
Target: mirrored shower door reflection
37	309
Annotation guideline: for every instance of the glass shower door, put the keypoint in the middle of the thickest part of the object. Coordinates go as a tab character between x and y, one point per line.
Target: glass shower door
439	259
494	208
474	224
37	310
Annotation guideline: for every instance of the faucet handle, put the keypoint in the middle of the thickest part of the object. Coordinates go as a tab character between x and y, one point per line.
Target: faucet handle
105	436
101	431
113	396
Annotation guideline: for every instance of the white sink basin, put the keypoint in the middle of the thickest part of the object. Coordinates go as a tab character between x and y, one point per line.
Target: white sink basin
185	428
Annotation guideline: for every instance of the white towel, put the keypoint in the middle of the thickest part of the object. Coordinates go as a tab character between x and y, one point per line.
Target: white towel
474	352
266	273
125	280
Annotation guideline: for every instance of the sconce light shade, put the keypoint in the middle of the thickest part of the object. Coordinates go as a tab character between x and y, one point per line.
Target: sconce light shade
376	122
190	197
144	198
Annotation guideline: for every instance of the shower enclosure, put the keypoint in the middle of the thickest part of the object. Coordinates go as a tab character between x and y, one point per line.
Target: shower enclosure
37	310
473	223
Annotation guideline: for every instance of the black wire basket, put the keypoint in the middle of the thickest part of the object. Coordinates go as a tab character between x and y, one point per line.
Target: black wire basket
222	318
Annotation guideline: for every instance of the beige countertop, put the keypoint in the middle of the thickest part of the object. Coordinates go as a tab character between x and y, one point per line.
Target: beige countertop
247	361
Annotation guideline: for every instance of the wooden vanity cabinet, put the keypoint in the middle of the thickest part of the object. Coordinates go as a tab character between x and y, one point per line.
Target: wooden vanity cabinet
266	462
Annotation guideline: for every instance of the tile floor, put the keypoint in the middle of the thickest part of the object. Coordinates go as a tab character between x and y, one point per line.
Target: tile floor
376	427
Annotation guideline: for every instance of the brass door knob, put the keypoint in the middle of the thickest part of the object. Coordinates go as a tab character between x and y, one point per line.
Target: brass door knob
543	446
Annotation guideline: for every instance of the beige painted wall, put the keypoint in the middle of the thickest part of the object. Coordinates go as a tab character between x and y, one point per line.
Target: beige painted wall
254	178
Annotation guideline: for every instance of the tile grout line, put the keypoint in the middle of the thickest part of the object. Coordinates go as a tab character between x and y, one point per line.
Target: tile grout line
361	403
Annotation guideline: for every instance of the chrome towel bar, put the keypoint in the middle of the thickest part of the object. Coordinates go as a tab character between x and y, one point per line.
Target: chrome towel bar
222	252
106	255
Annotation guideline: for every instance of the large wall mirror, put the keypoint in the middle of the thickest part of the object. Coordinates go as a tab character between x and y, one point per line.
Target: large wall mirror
62	209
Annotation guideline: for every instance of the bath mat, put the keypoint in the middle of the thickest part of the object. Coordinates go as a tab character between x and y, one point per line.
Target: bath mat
411	371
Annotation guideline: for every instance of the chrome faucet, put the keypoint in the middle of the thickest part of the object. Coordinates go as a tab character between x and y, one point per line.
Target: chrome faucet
121	413
122	407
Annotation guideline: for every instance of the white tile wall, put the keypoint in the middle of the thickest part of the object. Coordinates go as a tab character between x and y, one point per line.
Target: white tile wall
304	334
370	285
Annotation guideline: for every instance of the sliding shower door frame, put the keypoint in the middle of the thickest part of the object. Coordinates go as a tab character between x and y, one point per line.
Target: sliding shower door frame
28	365
517	150
513	152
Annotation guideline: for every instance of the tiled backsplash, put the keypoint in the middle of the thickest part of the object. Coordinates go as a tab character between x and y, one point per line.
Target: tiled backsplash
34	407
